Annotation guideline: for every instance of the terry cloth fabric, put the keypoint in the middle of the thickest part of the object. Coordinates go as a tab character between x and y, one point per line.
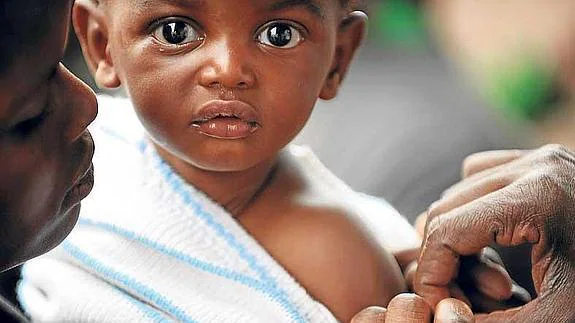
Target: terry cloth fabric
151	248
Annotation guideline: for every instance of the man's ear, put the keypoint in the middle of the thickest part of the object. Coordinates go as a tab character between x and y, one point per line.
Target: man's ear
352	30
92	32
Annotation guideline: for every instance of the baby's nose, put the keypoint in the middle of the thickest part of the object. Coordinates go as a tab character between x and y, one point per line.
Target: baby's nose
229	66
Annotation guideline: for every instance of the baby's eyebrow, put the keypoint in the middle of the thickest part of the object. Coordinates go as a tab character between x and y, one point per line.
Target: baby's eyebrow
310	5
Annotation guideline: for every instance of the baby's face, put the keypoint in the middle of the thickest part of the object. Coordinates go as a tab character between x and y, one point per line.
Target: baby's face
45	150
223	85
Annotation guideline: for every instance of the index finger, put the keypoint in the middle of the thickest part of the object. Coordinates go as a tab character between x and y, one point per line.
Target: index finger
373	314
481	161
465	231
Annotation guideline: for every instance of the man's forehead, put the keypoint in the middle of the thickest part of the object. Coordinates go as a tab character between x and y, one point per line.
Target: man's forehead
13	10
31	43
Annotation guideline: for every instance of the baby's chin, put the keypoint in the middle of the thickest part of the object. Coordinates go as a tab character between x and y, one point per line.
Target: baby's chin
217	161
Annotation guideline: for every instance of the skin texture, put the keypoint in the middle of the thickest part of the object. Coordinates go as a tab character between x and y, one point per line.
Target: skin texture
506	198
249	176
531	199
412	308
44	146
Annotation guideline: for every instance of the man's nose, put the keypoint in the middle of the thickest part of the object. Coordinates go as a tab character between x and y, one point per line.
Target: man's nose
82	104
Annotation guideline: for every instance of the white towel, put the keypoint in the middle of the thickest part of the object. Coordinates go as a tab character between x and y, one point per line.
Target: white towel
150	247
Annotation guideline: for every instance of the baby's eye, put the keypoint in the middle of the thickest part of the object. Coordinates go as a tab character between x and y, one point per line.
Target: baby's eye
280	35
176	32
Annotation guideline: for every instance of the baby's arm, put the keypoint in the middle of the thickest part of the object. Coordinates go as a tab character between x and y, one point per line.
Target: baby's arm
339	263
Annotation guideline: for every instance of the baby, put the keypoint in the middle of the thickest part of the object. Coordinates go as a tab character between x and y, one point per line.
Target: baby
213	216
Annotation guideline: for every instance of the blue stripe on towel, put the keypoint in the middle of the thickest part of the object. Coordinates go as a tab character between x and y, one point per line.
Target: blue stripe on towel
149	312
192	261
162	302
221	231
276	293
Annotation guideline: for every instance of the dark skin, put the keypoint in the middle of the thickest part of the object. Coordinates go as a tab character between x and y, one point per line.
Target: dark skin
45	150
227	57
507	198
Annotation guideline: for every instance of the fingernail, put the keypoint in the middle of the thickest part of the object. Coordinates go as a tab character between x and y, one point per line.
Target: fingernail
451	310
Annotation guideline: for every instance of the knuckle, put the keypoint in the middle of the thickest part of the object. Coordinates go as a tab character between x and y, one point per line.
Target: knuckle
549	185
555	154
468	164
436	230
434	210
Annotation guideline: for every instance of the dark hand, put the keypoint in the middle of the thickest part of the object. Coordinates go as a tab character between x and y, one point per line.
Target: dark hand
508	198
482	283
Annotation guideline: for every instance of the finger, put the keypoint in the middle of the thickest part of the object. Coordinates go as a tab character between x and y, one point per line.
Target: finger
409	274
465	231
492	255
470	190
451	310
504	161
483	304
408	308
420	223
519	294
406	257
496	177
479	162
480	300
373	314
456	292
490	278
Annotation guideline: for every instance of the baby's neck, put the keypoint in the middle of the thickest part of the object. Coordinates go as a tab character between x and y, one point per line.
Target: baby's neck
232	190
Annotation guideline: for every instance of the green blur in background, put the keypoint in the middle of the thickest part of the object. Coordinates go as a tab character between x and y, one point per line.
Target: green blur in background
399	24
525	90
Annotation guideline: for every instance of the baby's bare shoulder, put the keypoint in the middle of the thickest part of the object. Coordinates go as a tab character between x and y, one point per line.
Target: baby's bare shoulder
338	262
311	225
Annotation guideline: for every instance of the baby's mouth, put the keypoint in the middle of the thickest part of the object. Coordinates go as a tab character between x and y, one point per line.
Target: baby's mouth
226	120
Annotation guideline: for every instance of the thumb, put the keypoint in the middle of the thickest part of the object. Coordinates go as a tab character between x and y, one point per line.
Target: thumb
373	314
451	310
408	308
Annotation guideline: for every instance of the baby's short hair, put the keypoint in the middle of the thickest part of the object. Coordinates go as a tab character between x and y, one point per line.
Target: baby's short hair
347	4
23	24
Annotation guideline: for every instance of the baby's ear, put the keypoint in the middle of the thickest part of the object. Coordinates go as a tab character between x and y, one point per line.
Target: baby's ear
352	30
92	31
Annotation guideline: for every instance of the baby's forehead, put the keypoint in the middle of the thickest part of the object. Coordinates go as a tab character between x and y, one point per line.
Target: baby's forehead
254	3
